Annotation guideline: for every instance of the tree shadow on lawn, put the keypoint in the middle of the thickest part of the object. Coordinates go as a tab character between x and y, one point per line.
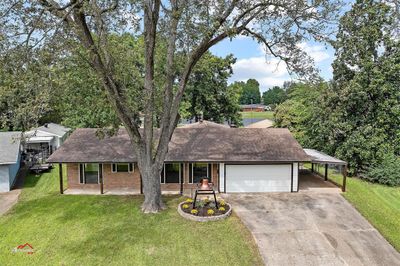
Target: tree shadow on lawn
32	179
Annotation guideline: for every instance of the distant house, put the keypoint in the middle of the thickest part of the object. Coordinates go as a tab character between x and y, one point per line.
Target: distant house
45	139
254	108
10	158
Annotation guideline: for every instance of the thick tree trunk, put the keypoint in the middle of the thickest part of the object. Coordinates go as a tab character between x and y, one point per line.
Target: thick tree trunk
150	172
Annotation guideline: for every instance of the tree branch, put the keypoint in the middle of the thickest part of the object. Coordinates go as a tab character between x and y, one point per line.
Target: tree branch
111	86
164	138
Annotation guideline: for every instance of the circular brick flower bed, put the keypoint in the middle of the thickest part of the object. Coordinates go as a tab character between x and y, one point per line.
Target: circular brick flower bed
204	211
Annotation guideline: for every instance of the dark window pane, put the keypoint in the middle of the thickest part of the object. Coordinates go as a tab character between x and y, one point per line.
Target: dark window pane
209	172
162	180
131	167
114	167
122	167
81	173
91	173
172	173
199	172
190	173
182	175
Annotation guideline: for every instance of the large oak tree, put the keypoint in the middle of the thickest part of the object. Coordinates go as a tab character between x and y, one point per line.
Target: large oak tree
189	28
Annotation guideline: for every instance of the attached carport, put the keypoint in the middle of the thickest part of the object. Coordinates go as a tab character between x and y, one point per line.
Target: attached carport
319	158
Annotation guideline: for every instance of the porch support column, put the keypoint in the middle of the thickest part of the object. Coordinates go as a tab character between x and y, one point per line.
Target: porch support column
60	173
182	176
101	179
326	172
344	178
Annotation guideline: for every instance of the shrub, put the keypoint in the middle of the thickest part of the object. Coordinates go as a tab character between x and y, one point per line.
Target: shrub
210	212
211	205
194	211
185	206
386	172
189	200
200	203
221	209
222	203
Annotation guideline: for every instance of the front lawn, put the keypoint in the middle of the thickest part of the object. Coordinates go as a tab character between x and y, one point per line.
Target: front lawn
111	230
258	115
378	203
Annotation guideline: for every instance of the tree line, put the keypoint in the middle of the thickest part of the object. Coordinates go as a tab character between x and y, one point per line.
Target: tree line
250	93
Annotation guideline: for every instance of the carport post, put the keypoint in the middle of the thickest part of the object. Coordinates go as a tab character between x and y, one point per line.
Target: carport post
344	178
326	172
60	174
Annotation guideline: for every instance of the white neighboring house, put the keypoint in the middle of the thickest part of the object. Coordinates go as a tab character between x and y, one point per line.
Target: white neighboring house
45	139
10	159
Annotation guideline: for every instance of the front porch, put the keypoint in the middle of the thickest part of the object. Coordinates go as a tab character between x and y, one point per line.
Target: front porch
112	179
115	191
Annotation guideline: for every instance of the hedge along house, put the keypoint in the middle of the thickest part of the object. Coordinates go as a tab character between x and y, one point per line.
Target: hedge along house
234	159
10	159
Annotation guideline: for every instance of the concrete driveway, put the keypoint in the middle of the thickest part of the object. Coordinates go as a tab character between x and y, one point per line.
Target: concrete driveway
311	229
8	199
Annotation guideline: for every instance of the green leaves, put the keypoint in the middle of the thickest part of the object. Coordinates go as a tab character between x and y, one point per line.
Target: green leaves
208	93
274	96
250	91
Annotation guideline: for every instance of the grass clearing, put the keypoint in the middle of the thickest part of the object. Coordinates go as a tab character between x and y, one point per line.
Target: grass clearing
379	204
111	230
258	115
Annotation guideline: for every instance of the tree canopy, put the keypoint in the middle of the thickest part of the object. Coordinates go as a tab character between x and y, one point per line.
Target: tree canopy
274	96
249	91
356	116
208	95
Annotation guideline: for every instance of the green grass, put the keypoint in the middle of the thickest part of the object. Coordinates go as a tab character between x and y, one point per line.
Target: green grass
111	230
379	204
259	115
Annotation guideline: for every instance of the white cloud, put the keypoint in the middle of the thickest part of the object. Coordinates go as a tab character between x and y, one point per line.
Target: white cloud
267	73
317	52
272	72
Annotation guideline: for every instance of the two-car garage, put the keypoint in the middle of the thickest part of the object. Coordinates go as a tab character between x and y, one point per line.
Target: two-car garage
259	177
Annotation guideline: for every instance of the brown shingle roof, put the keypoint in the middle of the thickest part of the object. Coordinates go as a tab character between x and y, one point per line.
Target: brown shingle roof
200	142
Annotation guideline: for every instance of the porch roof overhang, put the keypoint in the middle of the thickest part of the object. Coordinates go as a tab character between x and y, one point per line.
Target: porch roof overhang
39	139
323	158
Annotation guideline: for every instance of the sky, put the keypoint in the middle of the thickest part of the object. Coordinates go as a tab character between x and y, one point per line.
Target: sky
252	63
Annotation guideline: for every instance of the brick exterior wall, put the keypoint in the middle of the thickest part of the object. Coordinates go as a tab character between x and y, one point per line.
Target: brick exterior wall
132	180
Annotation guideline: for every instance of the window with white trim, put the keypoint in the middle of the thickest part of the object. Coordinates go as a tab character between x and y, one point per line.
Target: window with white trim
198	171
171	173
89	173
122	168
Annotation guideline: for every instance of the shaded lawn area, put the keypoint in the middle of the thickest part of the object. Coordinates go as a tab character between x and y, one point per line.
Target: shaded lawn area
111	230
258	115
379	204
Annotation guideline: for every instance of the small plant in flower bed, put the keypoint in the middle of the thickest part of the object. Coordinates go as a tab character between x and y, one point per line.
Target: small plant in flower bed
205	207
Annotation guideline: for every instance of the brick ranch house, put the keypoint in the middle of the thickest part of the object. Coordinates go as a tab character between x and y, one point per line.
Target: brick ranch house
234	159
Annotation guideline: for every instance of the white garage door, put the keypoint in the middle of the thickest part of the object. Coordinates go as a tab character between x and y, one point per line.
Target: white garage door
258	178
